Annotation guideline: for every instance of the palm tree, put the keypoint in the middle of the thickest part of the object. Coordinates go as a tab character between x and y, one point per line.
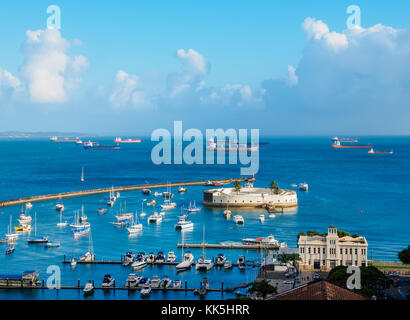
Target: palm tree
237	186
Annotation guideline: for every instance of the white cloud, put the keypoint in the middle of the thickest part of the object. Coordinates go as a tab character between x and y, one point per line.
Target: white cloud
47	68
127	91
9	84
355	79
193	62
319	31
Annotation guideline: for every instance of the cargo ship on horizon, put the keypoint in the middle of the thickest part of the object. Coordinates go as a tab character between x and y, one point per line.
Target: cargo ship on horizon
97	146
337	143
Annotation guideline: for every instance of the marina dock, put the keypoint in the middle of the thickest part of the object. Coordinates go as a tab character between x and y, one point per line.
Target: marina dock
227	246
72	194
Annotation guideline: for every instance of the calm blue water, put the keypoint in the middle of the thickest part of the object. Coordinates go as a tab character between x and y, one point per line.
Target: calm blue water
341	184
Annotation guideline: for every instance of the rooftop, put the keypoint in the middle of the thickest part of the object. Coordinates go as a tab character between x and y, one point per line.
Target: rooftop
320	290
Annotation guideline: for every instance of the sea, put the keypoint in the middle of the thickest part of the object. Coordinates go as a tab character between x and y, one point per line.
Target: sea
348	188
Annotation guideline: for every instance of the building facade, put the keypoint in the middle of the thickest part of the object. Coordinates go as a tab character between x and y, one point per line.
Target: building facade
326	252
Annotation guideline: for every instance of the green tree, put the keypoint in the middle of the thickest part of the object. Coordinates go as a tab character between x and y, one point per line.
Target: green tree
371	278
302	233
274	187
404	255
342	233
262	288
237	186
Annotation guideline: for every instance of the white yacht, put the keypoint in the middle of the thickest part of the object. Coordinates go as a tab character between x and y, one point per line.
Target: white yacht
155	281
238	219
171	257
183	223
135	227
303	186
146	291
204	264
167	205
136	265
155	218
186	262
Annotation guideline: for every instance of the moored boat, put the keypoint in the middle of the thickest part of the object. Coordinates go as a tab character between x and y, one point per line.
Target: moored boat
89	288
238	219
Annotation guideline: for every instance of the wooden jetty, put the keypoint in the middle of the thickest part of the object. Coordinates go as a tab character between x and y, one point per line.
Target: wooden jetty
72	194
227	246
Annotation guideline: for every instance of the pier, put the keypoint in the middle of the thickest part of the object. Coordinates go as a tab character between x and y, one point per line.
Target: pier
227	246
73	194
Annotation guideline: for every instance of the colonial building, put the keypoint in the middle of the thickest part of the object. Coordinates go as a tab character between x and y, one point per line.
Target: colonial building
326	252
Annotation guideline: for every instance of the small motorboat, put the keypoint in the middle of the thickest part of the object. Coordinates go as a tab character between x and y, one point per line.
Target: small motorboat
89	288
228	265
140	256
108	281
220	260
156	194
132	281
52	244
128	258
146	191
303	186
272	215
59	207
142	282
241	263
151	258
294	185
146	291
160	257
73	263
181	189
171	257
184	224
151	203
155	282
140	264
238	219
29	205
176	284
262	218
10	249
165	283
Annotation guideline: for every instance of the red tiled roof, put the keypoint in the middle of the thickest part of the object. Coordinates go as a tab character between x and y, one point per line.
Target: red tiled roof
320	290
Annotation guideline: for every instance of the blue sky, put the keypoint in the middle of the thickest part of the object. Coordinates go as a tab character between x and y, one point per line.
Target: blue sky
244	45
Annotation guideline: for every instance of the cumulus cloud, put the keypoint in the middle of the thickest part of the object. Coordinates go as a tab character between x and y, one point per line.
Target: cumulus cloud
127	91
360	75
9	84
318	30
48	69
183	89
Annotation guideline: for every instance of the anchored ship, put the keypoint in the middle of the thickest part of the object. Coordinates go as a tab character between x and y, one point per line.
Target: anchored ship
337	143
119	140
97	146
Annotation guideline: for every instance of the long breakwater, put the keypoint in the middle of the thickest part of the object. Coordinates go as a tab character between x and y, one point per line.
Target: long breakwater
71	194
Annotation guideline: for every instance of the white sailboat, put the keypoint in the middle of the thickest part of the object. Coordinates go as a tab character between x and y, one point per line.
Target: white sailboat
61	223
135	227
187	259
11	235
204	264
89	256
